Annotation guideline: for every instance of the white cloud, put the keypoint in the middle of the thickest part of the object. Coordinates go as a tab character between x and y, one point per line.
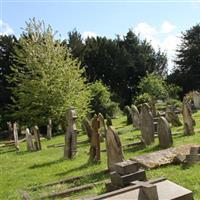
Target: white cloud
5	29
167	27
160	37
89	34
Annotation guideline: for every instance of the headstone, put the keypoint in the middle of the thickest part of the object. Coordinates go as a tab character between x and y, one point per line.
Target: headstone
71	135
135	116
95	141
88	128
196	99
102	130
164	133
189	122
147	124
29	141
49	129
128	112
153	107
114	148
10	130
171	117
15	133
194	155
37	143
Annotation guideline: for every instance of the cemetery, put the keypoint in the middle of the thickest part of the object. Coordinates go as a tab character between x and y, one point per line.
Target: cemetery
97	118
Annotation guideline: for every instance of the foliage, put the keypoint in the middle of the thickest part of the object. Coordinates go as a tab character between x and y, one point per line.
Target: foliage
186	72
50	80
174	102
101	100
142	98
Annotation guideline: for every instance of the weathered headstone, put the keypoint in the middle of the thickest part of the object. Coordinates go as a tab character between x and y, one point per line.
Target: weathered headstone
29	141
147	124
114	148
87	127
49	129
95	140
102	130
152	104
37	142
135	116
164	133
171	117
128	112
71	135
194	155
15	133
189	122
196	99
10	130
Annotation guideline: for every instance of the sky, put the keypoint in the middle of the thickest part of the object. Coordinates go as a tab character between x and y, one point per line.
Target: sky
161	22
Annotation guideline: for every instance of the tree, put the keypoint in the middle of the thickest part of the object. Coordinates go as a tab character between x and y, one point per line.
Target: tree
50	80
187	69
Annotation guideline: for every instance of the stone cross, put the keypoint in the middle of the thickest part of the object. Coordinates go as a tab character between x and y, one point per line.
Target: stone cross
71	135
189	122
135	116
95	140
37	143
29	141
49	129
15	133
147	124
171	117
114	148
164	133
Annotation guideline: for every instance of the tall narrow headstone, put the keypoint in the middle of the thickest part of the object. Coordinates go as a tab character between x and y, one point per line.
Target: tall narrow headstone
95	140
164	133
127	110
10	130
135	116
29	141
49	129
171	117
71	135
147	124
189	122
37	143
15	133
87	127
114	148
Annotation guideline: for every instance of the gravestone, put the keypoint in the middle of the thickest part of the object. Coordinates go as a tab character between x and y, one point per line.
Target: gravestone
29	141
171	117
164	133
37	143
135	116
196	99
147	124
194	155
10	130
188	121
102	124
95	141
71	135
114	148
15	133
49	129
128	112
88	128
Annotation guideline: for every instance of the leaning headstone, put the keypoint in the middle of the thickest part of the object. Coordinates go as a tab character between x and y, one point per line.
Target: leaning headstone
95	141
15	133
87	127
37	143
29	141
147	124
114	148
71	135
196	99
171	117
135	116
127	110
164	133
49	129
189	122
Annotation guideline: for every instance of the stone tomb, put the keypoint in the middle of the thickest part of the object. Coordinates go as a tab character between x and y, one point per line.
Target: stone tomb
160	189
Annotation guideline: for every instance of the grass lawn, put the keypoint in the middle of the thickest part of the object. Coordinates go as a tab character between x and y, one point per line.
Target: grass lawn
22	170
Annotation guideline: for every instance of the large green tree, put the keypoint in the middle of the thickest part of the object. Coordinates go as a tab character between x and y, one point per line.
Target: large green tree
48	80
187	69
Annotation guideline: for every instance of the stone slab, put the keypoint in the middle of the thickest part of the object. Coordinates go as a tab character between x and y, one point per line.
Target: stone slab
162	157
126	167
166	189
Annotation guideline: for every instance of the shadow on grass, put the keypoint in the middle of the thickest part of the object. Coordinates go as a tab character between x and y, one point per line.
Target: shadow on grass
84	166
47	164
7	151
134	148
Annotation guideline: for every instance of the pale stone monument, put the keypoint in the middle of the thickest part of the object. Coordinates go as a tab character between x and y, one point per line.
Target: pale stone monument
71	135
135	116
37	142
171	117
164	133
196	99
49	129
29	141
15	133
147	124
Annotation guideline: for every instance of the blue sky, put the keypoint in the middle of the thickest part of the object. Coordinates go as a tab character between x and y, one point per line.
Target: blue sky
161	22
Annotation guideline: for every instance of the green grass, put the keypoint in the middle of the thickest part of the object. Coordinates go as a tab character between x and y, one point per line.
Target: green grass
19	171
